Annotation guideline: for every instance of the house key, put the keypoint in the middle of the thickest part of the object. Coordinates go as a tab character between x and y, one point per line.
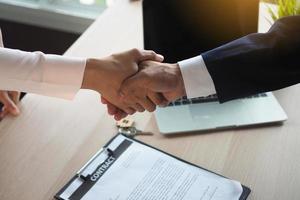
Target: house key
132	132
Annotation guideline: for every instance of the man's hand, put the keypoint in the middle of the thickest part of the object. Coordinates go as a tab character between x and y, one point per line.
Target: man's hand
153	77
9	101
106	76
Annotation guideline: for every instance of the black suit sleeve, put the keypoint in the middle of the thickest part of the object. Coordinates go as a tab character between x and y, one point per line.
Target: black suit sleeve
258	62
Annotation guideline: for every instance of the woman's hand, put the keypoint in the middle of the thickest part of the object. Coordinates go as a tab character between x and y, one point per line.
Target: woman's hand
107	75
9	99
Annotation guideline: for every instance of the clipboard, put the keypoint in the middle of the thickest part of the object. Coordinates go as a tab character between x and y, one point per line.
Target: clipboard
96	167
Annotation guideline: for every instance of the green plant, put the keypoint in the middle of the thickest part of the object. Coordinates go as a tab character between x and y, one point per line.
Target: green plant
285	8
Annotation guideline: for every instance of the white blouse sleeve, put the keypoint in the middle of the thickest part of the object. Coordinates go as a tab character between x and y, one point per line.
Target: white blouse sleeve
49	75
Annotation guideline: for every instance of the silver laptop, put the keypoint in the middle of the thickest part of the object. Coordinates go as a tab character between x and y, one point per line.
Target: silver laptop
183	29
187	115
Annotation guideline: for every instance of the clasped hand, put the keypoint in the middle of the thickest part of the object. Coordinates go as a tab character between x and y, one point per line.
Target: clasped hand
143	85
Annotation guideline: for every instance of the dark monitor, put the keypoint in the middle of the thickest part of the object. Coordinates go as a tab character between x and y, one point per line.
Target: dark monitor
181	29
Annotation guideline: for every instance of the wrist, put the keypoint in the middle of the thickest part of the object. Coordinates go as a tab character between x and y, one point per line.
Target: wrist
179	78
91	73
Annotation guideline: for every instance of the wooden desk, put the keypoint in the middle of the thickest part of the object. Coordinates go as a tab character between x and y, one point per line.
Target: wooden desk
52	139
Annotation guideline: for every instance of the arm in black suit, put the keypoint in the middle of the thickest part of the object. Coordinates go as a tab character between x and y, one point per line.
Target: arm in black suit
258	62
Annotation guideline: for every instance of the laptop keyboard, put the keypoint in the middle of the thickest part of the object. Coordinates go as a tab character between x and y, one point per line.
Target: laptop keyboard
211	98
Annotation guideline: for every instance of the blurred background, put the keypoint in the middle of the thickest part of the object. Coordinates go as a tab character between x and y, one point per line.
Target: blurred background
50	26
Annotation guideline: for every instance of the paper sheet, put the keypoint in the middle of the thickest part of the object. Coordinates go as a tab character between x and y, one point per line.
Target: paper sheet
142	173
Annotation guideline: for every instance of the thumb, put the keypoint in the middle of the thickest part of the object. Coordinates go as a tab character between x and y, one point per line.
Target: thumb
8	104
149	55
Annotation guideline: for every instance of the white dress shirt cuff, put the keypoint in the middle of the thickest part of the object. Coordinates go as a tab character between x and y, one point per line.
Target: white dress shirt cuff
196	78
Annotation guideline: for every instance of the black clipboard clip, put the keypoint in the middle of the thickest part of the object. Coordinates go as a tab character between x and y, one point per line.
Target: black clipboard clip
88	169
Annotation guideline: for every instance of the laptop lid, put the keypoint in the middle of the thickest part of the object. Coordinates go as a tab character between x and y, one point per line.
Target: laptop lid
181	29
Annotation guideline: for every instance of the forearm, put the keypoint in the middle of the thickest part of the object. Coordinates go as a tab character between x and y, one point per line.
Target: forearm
39	73
258	62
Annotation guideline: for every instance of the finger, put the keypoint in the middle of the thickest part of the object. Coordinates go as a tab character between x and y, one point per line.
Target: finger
138	107
132	101
120	115
15	96
129	86
8	104
111	109
128	93
157	99
104	101
147	104
129	110
144	55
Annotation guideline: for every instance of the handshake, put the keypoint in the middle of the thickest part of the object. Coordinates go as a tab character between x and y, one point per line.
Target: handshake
128	82
132	81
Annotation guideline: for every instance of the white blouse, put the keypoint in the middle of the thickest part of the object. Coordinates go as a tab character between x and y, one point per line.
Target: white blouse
36	72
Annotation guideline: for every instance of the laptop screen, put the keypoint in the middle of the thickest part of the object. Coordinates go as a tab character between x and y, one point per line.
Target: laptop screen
181	29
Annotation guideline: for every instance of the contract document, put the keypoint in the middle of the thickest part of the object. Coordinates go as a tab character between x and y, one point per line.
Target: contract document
127	169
